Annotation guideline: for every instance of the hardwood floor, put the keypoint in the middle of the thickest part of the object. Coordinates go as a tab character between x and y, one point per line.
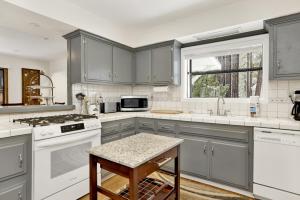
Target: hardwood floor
190	190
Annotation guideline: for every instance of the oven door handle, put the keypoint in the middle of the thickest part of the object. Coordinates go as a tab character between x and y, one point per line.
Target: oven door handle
59	141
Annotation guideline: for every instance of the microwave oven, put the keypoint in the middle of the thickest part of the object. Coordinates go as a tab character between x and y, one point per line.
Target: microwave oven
134	103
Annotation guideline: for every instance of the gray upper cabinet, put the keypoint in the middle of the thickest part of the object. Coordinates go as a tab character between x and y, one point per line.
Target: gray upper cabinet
284	47
229	163
161	60
97	60
143	67
122	65
94	59
158	64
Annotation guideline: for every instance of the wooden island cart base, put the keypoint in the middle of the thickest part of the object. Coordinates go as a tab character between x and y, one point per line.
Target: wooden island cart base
140	187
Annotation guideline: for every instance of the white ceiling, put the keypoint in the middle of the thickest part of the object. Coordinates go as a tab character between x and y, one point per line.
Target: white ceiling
145	13
27	34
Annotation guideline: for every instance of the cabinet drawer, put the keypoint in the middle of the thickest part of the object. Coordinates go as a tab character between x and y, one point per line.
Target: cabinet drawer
16	192
128	124
146	124
166	127
13	159
240	133
127	134
110	138
110	128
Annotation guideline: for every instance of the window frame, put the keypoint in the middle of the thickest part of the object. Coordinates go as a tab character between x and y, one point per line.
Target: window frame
208	49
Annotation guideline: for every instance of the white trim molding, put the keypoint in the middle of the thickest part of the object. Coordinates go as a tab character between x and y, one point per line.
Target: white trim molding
208	49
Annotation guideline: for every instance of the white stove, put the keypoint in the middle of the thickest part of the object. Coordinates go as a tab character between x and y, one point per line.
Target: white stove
60	159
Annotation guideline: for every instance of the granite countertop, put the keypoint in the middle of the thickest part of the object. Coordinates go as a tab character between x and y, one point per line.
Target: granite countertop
135	150
9	129
284	123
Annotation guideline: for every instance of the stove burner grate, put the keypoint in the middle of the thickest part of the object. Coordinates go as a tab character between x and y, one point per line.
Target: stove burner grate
56	119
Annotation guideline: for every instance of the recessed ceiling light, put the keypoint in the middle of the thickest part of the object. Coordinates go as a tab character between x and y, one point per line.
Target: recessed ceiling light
16	50
35	25
45	38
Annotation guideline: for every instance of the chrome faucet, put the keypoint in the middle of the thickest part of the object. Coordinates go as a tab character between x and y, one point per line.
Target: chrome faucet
218	105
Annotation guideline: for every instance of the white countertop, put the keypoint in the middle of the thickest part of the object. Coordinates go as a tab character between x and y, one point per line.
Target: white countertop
9	129
135	150
286	123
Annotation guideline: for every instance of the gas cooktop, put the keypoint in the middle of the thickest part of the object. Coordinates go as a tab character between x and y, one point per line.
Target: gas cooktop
56	119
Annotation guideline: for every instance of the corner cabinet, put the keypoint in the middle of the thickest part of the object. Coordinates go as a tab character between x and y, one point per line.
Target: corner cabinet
284	47
96	60
158	64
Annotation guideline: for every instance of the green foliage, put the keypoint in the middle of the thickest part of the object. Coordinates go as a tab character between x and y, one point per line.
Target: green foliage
208	86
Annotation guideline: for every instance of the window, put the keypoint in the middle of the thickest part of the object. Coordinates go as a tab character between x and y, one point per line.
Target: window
231	69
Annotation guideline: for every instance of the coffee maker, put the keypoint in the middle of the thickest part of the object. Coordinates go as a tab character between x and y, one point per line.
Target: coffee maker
296	107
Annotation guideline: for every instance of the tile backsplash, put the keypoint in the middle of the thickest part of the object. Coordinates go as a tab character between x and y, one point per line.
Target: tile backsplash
278	106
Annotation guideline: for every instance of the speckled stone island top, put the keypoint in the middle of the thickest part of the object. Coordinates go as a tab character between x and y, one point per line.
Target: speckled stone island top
135	150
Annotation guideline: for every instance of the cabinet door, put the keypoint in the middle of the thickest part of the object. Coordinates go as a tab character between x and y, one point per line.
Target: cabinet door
14	193
161	63
143	66
166	128
229	163
122	65
288	48
194	156
13	157
97	60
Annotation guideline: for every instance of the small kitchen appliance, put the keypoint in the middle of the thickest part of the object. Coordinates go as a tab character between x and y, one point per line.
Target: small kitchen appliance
296	107
59	151
108	107
134	103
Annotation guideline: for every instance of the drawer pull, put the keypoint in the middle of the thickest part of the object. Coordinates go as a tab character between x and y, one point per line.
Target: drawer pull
204	149
163	162
20	196
212	151
20	160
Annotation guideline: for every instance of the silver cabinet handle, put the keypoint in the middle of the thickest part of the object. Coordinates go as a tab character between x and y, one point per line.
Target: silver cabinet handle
204	149
212	150
20	196
278	64
20	160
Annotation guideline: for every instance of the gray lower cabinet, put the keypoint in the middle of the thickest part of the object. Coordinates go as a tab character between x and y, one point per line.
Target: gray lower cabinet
115	130
122	65
143	67
15	173
13	156
194	156
15	192
229	163
145	125
284	47
97	59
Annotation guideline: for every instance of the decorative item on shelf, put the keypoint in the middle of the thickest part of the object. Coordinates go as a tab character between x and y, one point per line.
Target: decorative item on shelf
35	86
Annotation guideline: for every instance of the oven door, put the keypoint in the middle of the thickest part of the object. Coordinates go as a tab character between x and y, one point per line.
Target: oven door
61	162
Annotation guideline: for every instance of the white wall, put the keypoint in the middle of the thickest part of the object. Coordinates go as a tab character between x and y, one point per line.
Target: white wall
14	65
58	73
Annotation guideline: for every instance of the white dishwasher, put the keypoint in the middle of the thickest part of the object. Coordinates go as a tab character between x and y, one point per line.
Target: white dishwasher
276	164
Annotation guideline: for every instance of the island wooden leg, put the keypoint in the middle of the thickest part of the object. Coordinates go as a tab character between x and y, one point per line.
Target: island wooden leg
133	185
93	178
177	173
